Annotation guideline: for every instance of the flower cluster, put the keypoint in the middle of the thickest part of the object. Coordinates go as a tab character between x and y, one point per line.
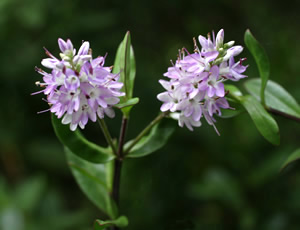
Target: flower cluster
79	87
196	81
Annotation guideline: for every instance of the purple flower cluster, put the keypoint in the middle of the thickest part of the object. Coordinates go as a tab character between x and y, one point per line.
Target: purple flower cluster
196	81
79	87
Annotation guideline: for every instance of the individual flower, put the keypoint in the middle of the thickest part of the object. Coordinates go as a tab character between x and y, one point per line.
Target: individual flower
78	87
195	88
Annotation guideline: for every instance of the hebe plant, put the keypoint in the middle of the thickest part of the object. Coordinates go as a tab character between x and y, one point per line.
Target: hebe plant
80	88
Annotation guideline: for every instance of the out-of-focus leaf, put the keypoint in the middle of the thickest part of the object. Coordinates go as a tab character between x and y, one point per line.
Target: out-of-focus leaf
121	222
217	184
11	218
80	146
229	113
92	179
293	157
125	65
276	96
261	60
29	193
263	121
157	138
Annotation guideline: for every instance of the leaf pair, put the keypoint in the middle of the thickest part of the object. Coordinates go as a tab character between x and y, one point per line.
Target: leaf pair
265	95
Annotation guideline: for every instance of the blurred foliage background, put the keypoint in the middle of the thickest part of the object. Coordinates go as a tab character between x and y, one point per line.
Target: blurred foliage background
199	180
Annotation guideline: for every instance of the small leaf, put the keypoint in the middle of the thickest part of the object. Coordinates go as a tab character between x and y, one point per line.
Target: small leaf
261	60
125	65
156	139
234	92
229	113
80	146
263	121
121	222
276	96
92	179
130	102
292	158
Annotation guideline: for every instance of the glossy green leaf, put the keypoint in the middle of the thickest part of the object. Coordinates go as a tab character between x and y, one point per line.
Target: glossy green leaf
156	139
263	121
292	158
125	65
234	92
121	222
80	146
128	104
261	60
93	181
276	97
229	113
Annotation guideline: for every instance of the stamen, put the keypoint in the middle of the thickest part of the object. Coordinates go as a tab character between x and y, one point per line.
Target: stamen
37	92
43	111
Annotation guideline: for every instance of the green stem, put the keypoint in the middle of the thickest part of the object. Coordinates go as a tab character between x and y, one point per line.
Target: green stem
118	165
145	131
107	135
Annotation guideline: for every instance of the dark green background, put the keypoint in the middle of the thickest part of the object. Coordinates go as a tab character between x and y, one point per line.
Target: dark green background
199	180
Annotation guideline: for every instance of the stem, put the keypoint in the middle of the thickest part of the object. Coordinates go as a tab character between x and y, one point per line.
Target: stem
118	164
107	135
288	116
144	132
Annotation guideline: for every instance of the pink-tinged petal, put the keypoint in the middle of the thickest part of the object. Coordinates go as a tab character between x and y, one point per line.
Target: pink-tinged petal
97	61
109	112
100	113
165	97
222	103
62	45
188	111
49	63
70	45
112	100
214	72
193	93
84	49
220	92
166	106
66	119
165	84
203	42
220	39
92	115
81	125
73	127
102	102
197	113
84	118
210	56
211	91
182	105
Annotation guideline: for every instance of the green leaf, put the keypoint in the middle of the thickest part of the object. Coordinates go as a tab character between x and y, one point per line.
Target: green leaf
131	102
234	92
125	65
121	222
156	139
263	121
80	146
93	181
276	97
29	194
292	158
261	60
229	113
